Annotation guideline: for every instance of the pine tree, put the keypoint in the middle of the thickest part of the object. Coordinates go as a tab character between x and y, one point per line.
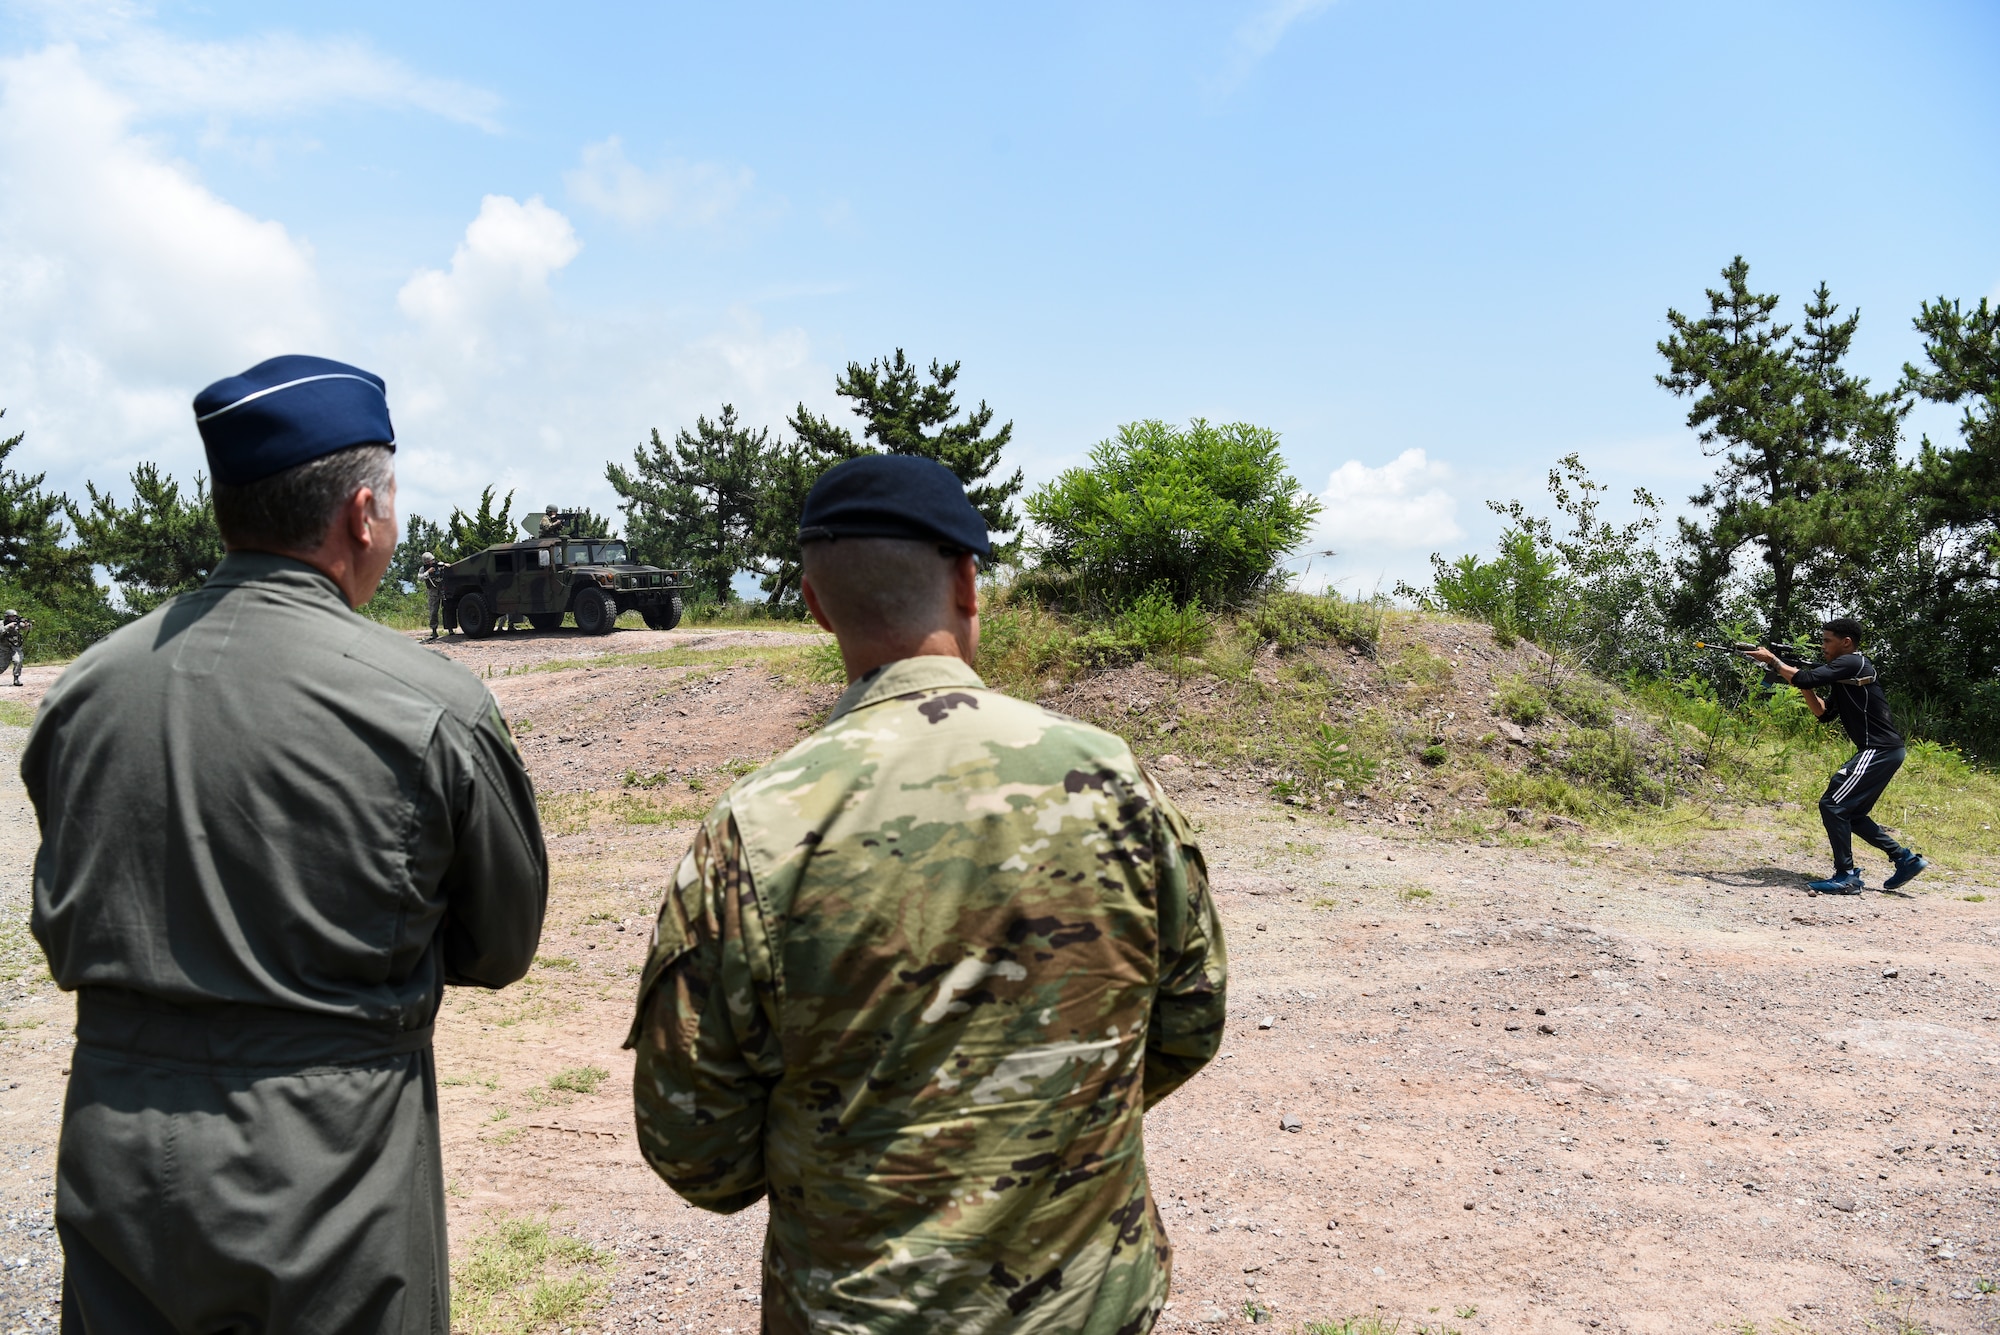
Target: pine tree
34	554
1795	430
485	527
158	546
696	503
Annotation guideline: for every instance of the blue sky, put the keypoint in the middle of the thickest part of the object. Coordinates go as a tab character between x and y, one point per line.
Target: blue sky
1431	244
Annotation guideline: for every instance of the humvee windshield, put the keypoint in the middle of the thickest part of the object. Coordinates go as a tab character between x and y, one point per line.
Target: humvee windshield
596	553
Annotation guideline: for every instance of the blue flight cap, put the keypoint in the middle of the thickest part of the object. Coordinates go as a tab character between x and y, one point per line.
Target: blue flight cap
893	496
287	411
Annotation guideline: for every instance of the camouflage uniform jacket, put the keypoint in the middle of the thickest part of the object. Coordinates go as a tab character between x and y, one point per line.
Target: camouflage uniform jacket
919	979
14	635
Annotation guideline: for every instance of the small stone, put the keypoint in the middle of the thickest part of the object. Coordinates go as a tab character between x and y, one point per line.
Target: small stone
1540	1011
1290	1123
1842	1204
1253	1267
1890	973
1548	1029
1214	1316
1511	1026
1267	1022
1333	1223
1472	1205
1513	733
1261	927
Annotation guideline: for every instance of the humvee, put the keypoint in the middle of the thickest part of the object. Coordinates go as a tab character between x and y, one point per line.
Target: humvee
542	579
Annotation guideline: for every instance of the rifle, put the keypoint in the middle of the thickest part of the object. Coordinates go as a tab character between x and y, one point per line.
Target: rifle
1744	648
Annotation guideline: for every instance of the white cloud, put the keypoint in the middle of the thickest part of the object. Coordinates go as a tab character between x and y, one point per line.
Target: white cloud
1400	506
508	253
696	193
127	283
269	74
1260	34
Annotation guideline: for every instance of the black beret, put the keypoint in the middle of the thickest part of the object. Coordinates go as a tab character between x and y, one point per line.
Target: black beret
893	496
289	411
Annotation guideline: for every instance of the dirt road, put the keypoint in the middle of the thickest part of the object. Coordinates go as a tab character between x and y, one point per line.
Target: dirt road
1536	1089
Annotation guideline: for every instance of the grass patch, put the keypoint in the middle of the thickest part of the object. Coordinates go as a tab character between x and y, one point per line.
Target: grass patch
1413	894
564	813
579	1079
1522	701
16	715
559	963
518	1275
1292	621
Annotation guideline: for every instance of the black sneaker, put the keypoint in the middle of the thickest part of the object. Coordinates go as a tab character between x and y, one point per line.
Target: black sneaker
1847	882
1907	870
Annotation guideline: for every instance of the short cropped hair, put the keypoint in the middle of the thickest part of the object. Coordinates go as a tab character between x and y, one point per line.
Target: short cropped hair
1847	628
291	510
881	586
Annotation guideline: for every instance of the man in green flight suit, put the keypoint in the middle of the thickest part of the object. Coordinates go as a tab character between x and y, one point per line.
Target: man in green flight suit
272	833
919	979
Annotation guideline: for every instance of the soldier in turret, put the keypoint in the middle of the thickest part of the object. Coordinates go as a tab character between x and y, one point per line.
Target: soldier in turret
552	523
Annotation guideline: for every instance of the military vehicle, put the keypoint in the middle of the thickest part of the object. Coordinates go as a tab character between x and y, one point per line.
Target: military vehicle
544	579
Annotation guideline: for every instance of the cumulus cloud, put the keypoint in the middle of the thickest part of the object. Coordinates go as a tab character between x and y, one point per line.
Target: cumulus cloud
127	283
508	253
688	193
1400	506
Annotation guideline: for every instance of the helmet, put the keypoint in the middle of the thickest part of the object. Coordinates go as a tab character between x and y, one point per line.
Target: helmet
11	615
549	510
430	558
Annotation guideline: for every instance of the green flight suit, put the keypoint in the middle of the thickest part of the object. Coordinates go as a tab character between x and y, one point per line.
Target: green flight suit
272	832
918	979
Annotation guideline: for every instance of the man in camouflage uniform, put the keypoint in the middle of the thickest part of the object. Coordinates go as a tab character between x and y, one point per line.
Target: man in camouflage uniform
919	979
14	639
552	523
431	576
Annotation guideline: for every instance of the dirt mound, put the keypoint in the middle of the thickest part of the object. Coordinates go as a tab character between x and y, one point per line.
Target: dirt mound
1444	725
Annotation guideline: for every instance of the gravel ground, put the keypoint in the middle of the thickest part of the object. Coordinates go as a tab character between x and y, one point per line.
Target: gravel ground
1533	1089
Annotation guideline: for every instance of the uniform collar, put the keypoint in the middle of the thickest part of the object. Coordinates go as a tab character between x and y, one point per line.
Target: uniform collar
905	676
270	571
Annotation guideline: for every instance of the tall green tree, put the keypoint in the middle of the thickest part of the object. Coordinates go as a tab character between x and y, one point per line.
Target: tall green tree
1962	348
907	411
696	503
162	544
35	553
1794	430
485	527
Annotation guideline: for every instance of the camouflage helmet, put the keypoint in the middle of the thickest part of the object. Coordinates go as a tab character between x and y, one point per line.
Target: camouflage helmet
11	615
549	510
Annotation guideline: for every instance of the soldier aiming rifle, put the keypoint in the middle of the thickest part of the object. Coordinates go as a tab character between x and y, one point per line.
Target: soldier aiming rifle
1857	700
14	638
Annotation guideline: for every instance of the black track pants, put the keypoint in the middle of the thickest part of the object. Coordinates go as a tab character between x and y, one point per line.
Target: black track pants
1850	795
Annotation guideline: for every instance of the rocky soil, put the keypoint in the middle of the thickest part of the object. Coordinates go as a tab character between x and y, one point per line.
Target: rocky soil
1529	1089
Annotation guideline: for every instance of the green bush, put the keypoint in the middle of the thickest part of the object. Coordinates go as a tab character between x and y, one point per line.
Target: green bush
1610	759
1205	513
1522	701
1584	702
1292	620
1154	624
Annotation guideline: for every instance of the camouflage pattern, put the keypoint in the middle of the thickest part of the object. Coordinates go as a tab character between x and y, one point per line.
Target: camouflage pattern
918	980
432	578
14	643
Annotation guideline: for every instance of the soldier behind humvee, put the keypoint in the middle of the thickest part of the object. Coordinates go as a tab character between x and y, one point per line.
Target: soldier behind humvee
431	576
14	638
552	523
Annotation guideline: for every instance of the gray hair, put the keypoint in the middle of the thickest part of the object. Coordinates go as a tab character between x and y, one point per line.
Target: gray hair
899	587
291	510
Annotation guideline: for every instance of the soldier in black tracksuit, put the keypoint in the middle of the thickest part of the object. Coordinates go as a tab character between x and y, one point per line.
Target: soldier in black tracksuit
1853	690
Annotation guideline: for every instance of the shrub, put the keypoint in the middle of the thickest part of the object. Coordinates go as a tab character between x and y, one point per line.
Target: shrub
1331	753
1586	703
1434	755
1205	513
1522	701
1153	624
1295	620
1609	758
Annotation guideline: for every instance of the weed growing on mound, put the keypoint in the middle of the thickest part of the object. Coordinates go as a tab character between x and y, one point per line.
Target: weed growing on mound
519	1276
1293	621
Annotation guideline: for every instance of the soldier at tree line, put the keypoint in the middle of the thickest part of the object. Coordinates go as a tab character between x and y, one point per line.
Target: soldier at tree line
273	832
431	576
918	979
14	638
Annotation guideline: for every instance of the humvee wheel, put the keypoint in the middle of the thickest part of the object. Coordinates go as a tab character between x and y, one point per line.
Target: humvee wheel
474	618
545	620
596	612
665	617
